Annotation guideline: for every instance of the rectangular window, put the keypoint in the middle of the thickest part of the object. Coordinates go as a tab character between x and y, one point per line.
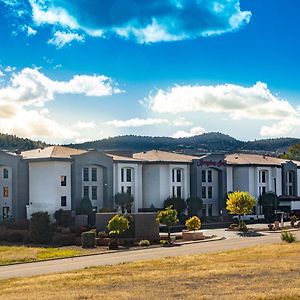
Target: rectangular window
94	174
204	210
209	176
204	192
173	175
128	190
290	190
290	177
122	175
178	175
209	192
94	193
178	192
128	175
173	192
85	174
5	173
5	191
263	177
63	180
263	190
203	176
5	212
122	189
209	206
63	201
86	191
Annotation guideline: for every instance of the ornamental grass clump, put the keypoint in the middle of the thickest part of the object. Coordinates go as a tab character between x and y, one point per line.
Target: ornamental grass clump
193	223
288	237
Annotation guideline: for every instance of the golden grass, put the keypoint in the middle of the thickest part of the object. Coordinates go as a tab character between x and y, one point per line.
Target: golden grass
261	272
13	254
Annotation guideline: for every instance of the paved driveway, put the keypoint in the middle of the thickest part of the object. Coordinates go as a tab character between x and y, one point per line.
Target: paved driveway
70	264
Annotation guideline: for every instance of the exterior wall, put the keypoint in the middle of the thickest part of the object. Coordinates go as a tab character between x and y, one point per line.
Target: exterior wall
158	185
45	190
17	184
92	158
136	183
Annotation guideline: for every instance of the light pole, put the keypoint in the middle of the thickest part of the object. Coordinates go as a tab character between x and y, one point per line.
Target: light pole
276	204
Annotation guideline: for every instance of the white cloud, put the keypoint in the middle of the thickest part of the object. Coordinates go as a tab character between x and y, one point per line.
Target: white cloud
182	122
60	39
1	74
256	102
30	31
85	125
9	69
30	88
136	122
194	131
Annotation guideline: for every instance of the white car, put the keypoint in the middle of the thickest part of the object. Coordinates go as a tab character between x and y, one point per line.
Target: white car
249	218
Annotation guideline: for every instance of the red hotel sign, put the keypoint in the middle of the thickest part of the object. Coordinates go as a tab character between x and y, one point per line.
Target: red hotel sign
211	163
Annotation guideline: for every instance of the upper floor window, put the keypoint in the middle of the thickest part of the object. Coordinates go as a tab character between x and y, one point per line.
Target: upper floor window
63	180
177	175
94	174
263	176
203	176
209	192
204	192
85	174
5	173
209	175
126	175
5	191
289	177
290	183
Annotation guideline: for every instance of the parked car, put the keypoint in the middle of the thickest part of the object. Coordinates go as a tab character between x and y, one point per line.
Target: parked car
249	218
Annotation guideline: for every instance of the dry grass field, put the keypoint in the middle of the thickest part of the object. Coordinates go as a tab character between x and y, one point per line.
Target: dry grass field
13	254
261	272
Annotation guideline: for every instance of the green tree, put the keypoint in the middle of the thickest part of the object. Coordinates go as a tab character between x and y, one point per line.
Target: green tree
240	203
176	202
293	153
39	227
168	217
116	226
194	206
268	201
86	208
124	201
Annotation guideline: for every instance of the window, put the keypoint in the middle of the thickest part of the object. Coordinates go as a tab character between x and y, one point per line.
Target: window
209	192
203	192
178	175
5	173
128	175
5	212
122	175
173	176
290	177
290	183
63	180
290	190
178	192
203	176
263	177
209	206
128	190
94	174
94	193
5	191
204	210
122	189
209	176
86	191
63	201
173	191
85	174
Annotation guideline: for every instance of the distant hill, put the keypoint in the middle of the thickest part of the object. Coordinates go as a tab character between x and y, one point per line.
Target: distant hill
12	143
207	142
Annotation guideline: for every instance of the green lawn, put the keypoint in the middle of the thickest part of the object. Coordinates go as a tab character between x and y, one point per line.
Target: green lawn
261	272
13	254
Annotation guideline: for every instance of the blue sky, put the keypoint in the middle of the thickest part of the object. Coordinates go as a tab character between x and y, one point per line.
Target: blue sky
72	71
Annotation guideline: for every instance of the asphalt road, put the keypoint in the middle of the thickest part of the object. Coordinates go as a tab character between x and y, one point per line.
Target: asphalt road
231	242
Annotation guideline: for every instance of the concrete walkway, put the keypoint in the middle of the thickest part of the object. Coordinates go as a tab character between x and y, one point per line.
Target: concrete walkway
71	264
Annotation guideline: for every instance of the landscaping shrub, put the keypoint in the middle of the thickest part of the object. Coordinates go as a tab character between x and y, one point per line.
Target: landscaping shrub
177	203
63	217
88	239
116	226
164	242
130	232
288	237
233	226
39	227
78	230
102	235
144	243
293	220
193	223
14	237
19	224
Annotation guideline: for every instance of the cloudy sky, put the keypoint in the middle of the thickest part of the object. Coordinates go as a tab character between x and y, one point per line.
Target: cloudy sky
73	71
